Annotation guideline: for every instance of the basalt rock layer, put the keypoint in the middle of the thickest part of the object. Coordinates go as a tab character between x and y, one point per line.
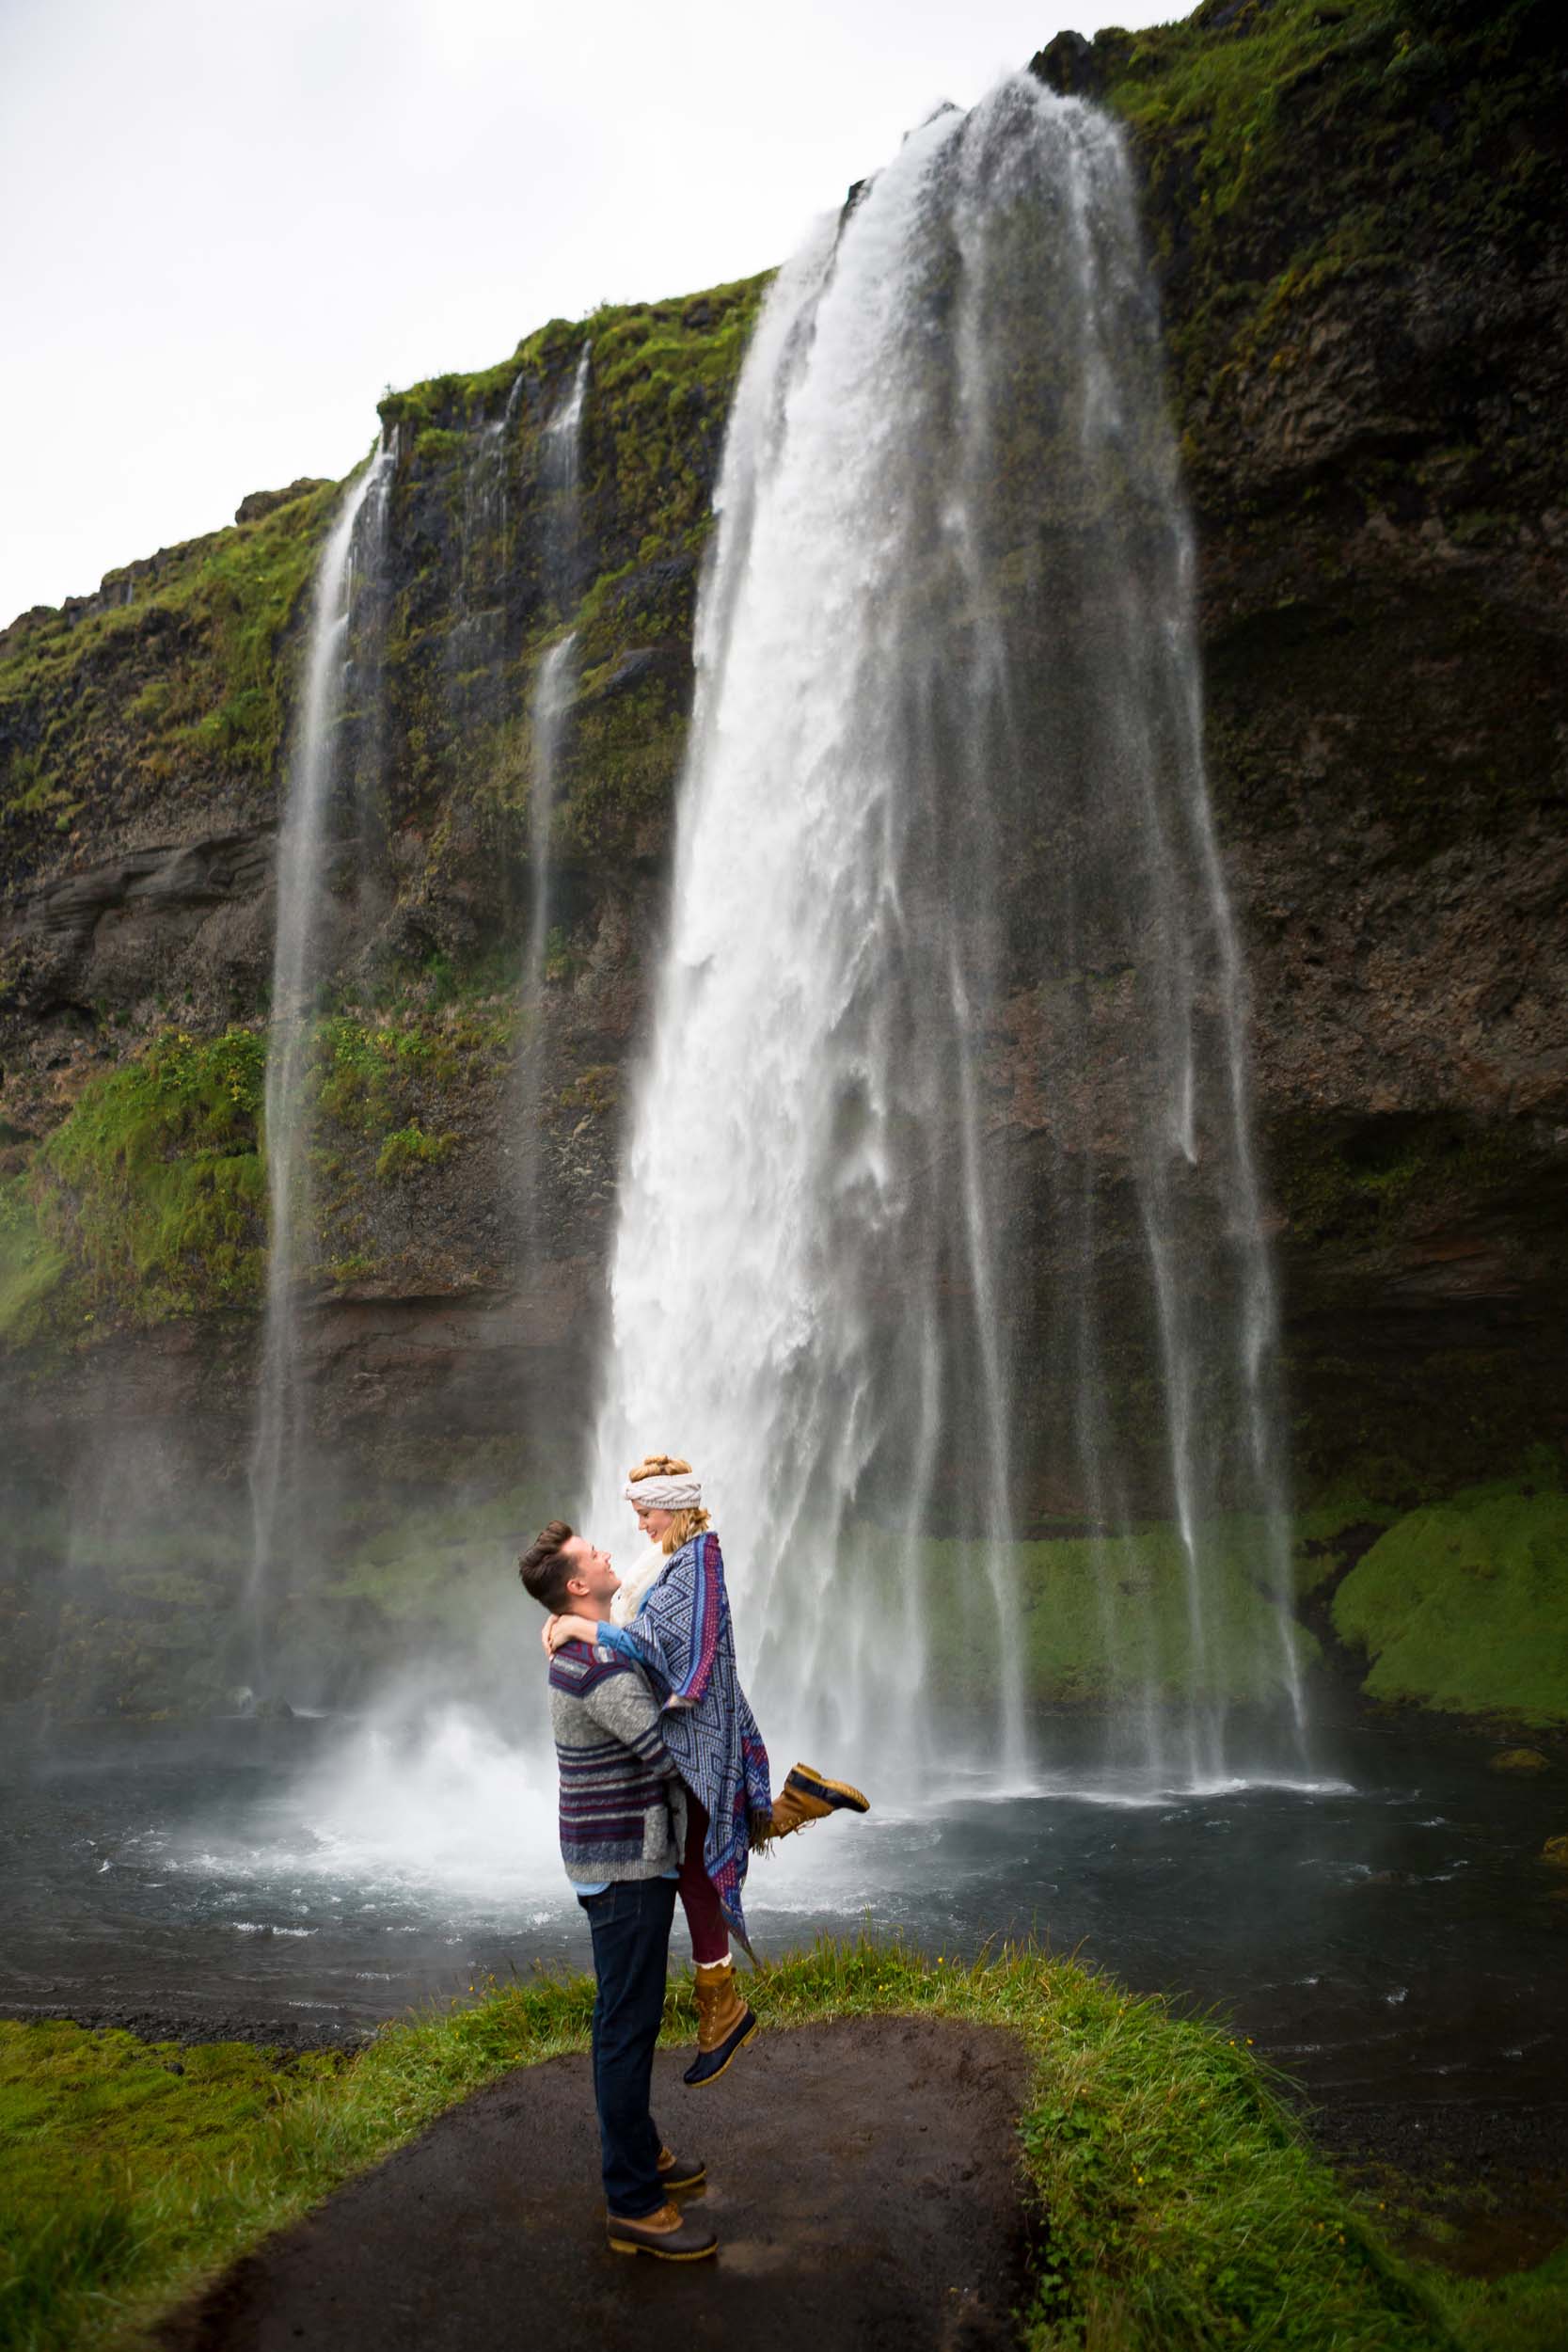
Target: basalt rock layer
1358	220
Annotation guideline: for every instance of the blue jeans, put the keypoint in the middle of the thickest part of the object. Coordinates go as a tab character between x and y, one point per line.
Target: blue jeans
630	1925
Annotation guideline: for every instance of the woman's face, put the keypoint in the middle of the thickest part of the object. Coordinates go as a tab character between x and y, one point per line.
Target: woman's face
652	1522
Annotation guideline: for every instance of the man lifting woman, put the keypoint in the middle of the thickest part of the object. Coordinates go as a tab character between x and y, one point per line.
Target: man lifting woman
664	1789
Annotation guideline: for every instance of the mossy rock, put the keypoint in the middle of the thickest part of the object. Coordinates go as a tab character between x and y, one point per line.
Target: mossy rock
1078	1652
1555	1851
1464	1606
1523	1761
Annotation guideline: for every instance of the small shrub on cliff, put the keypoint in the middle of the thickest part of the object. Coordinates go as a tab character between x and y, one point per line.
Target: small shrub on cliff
409	1147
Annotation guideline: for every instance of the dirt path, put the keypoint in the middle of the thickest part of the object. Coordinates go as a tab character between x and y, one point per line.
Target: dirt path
862	2181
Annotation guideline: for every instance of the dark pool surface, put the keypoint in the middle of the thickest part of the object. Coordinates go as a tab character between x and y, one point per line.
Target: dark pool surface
1388	1932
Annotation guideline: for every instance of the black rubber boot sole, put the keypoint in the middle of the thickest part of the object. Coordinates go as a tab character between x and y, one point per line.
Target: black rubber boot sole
687	2244
710	2064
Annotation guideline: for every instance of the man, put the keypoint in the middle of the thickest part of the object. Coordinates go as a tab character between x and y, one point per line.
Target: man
623	1829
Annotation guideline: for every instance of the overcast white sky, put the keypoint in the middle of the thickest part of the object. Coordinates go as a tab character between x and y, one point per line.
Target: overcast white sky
231	223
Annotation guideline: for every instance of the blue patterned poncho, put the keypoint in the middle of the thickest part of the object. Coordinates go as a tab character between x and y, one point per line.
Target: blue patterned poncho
682	1636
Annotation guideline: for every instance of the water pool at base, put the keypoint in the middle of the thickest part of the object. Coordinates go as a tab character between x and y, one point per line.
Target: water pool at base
1387	1932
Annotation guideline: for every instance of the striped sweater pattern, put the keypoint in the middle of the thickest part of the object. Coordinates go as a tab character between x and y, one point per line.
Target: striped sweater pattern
623	1807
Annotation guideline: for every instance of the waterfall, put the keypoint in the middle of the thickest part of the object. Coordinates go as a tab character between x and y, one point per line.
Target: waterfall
482	550
939	1227
560	474
554	686
552	694
304	854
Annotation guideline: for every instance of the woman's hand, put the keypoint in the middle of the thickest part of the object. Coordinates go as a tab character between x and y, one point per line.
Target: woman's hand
674	1701
558	1629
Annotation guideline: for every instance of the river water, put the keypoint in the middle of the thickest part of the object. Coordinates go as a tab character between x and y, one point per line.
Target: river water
1386	1932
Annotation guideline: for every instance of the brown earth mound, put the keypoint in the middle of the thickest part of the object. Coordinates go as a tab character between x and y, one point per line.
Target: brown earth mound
863	2182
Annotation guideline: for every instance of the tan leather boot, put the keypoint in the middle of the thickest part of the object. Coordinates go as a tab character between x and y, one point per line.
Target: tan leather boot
724	2023
665	2233
807	1796
678	2172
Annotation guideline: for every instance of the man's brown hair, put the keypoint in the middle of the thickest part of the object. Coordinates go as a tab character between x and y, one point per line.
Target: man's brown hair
543	1569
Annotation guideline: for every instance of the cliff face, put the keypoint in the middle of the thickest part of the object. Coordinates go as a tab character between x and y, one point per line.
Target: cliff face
1358	220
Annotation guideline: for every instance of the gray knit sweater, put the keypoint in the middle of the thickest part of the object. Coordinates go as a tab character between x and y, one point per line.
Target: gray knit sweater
622	1805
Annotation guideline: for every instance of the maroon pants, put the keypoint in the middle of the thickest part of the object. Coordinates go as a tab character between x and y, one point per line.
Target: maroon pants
705	1916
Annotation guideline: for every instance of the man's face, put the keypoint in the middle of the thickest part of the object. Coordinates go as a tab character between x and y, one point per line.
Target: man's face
592	1578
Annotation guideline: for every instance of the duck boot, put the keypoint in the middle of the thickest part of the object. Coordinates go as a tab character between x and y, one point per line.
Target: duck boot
811	1796
666	2233
724	2024
680	2172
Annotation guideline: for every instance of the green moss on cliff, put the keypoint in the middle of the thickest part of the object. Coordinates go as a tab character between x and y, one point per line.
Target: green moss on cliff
436	1564
1287	143
396	1094
1464	1606
174	669
30	1263
1102	1619
476	499
1384	1178
147	1200
662	377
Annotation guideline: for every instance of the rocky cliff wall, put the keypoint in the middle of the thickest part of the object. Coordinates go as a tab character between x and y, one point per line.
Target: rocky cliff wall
1357	215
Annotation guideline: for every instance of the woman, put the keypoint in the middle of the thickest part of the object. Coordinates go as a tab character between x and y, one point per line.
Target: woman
673	1620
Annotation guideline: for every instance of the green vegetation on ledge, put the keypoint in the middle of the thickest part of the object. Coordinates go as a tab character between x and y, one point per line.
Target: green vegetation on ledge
1076	1652
148	1199
1182	2208
1464	1606
661	377
1297	142
173	670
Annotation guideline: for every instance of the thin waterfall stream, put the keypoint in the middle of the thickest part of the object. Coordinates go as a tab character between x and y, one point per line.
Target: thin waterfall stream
304	856
554	685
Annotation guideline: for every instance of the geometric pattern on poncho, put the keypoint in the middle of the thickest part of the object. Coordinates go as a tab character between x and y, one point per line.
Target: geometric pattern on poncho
682	1635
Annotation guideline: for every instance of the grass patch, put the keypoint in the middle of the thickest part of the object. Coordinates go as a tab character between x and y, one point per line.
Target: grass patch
435	1564
1464	1605
1180	2204
30	1263
148	1199
1099	1616
177	671
1525	2314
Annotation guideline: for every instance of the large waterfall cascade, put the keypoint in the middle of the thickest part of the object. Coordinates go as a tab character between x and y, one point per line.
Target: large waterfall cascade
940	1227
350	557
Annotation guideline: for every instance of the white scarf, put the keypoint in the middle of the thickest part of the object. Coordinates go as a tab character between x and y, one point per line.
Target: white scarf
642	1574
